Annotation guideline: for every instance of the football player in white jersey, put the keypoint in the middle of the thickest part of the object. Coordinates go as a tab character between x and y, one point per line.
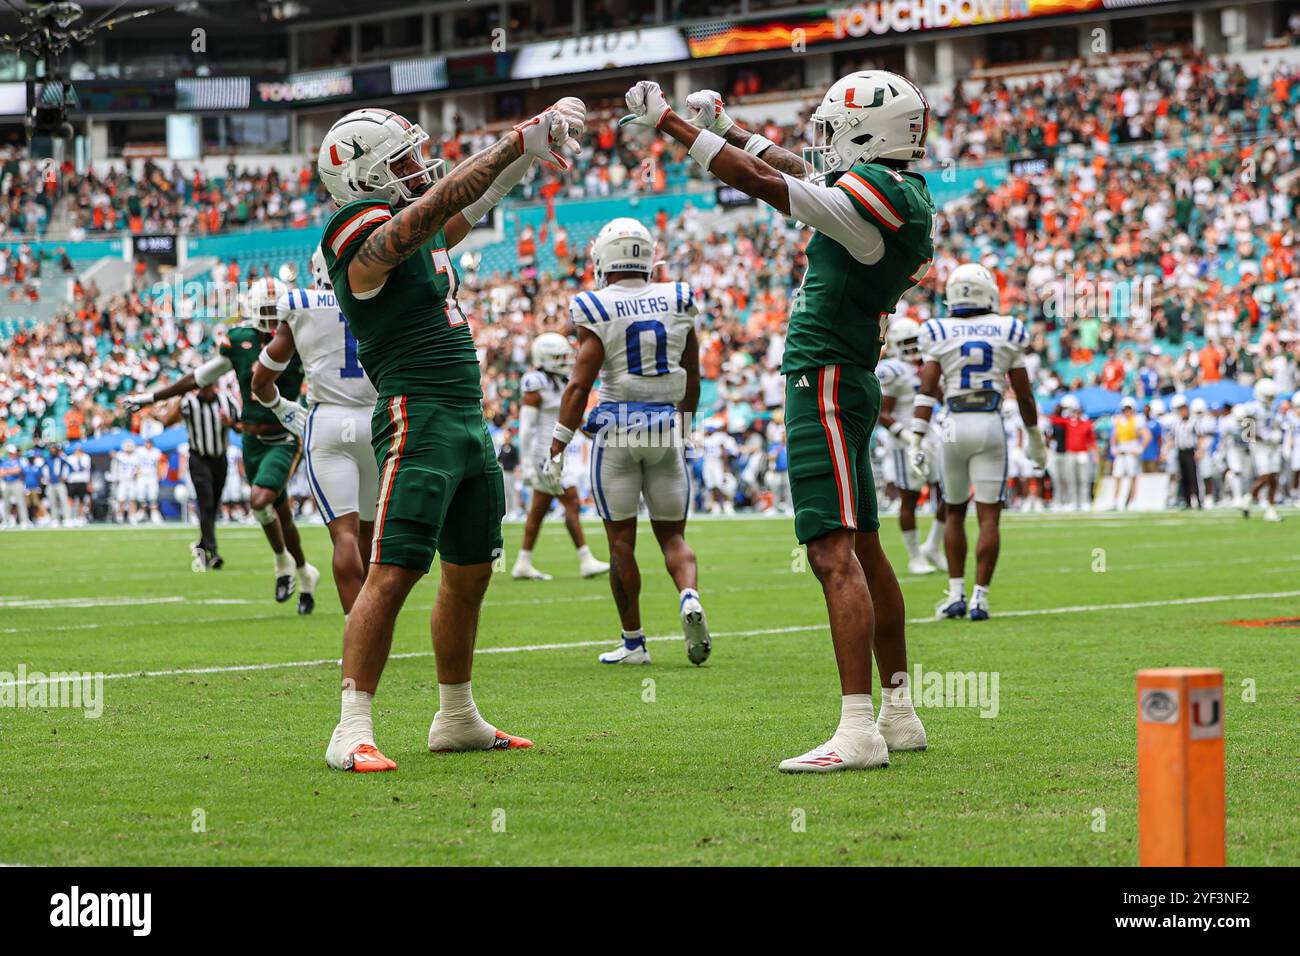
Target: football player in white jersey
973	352
335	427
899	382
639	336
1261	432
124	470
542	387
148	461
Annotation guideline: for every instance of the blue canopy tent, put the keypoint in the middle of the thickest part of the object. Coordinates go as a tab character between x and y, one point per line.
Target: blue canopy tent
1094	401
1220	394
167	441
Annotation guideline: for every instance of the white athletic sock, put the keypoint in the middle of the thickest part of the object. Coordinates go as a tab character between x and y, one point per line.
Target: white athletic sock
933	539
525	556
912	544
634	639
981	595
896	700
456	702
956	588
856	715
584	553
688	593
283	563
356	723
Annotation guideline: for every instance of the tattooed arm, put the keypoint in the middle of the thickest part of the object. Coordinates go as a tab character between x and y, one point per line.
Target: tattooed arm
393	242
782	160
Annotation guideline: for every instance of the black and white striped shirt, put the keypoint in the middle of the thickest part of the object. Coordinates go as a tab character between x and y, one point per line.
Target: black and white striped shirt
203	420
1186	434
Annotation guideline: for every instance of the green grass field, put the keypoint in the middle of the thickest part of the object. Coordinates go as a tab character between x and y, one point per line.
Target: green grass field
221	702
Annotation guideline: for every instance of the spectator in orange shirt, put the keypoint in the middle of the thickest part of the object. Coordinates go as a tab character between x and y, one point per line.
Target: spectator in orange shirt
1211	361
1113	373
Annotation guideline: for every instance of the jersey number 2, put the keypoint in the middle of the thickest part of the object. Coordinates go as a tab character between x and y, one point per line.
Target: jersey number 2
351	367
982	364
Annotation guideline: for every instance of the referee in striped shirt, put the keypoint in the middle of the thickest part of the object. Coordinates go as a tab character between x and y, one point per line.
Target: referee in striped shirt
208	415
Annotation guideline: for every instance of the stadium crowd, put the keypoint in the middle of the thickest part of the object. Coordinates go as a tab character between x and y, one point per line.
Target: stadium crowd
1147	272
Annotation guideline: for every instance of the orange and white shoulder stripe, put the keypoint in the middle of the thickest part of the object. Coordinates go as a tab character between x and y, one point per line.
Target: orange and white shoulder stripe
828	403
350	228
396	415
871	199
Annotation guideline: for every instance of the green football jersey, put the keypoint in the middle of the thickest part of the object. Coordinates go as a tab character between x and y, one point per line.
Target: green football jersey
840	311
242	347
412	337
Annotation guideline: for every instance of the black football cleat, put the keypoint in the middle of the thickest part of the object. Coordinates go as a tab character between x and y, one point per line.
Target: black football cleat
215	561
285	585
306	603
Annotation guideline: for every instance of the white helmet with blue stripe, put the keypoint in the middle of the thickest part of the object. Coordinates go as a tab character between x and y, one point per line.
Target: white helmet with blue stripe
971	287
623	245
319	273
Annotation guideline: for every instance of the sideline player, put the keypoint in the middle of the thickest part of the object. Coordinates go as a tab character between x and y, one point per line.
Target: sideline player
542	386
899	382
1128	436
639	337
1261	432
335	427
270	452
972	354
440	487
874	220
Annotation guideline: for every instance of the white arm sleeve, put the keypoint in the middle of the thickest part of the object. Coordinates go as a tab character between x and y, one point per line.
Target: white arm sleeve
506	180
211	370
528	416
831	211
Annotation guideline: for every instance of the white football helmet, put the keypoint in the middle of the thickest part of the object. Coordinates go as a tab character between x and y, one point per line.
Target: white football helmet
972	287
1157	407
1265	392
319	274
1199	406
259	303
357	155
1070	404
866	116
902	336
622	245
553	353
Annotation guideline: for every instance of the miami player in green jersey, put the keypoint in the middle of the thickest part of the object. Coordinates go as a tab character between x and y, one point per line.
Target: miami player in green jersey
270	451
872	219
440	487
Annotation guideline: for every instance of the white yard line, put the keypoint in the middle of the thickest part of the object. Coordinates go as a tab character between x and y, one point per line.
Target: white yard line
570	645
49	604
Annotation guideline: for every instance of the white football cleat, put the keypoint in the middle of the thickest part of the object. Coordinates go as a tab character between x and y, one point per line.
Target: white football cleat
901	729
920	566
524	571
637	654
936	557
1270	514
590	566
841	753
696	629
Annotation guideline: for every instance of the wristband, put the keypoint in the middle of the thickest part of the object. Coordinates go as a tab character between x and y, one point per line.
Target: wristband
562	434
925	401
265	359
273	404
756	143
706	146
896	429
920	426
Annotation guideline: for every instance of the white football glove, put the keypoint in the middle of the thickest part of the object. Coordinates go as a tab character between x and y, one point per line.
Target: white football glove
704	109
542	135
647	103
550	479
1037	448
137	400
292	415
918	461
